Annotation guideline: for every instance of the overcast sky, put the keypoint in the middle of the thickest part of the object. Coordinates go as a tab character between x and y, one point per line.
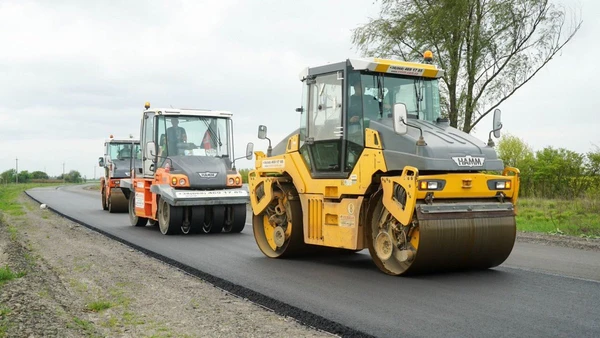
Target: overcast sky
74	72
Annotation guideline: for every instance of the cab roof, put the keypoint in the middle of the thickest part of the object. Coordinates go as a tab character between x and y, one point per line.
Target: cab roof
379	65
189	112
130	139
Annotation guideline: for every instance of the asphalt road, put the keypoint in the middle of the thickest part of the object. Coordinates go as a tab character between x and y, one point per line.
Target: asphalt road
540	291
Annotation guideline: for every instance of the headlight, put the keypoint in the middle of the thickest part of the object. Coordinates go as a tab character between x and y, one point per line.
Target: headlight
174	181
181	181
429	185
230	180
503	185
237	180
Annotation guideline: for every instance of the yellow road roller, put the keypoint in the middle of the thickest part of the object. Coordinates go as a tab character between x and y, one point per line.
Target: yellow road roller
374	164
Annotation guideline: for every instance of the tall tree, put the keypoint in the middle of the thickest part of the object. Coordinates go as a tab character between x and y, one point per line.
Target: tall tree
37	175
488	48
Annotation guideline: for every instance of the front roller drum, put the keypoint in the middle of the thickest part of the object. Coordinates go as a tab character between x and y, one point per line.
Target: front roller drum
440	242
117	202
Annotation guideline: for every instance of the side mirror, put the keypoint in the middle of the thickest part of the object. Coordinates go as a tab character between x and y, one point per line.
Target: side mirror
497	123
150	148
101	161
249	150
262	132
400	117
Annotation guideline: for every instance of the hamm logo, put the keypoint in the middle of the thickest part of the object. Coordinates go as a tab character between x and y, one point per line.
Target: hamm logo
469	161
208	174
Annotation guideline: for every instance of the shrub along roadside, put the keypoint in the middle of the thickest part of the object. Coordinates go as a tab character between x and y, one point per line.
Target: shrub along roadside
552	173
577	217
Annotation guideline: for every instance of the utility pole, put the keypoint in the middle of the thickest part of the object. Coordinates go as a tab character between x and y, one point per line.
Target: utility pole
17	161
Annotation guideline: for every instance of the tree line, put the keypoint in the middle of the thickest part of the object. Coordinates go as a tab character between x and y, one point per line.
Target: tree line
552	172
24	176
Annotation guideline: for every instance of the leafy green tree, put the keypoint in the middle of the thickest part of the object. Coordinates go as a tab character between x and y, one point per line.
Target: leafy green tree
593	171
513	151
39	175
488	48
8	176
559	173
24	176
517	153
73	177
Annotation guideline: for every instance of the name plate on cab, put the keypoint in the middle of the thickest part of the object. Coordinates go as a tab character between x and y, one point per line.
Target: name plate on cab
211	193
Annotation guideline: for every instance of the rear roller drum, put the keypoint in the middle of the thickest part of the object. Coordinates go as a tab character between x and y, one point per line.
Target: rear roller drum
440	242
214	219
235	218
133	218
117	202
170	218
278	230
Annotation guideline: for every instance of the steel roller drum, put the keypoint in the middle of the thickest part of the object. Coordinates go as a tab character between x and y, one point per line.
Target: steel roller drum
469	240
118	202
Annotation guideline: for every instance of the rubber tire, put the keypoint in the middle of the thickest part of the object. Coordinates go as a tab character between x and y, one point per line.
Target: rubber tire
217	220
169	218
238	218
110	208
133	218
104	204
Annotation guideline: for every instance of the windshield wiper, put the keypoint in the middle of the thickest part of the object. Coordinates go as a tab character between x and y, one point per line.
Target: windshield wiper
418	94
211	132
380	86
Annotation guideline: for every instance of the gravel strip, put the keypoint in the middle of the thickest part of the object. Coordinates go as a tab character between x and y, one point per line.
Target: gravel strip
80	283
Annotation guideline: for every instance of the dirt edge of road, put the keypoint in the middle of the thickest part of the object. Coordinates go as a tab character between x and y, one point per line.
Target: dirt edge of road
71	281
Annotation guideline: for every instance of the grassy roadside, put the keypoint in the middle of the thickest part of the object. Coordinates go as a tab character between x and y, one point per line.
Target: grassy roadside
9	194
578	217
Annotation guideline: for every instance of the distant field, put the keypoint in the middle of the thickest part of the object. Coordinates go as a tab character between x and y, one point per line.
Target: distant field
578	217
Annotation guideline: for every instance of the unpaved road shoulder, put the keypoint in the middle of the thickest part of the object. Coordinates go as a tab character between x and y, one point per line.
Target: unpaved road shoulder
80	283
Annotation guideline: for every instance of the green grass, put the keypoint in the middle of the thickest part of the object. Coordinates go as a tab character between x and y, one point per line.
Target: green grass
9	193
84	325
4	311
579	217
99	305
6	274
12	230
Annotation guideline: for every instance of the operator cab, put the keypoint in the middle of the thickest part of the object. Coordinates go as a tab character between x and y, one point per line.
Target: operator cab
120	154
340	100
168	134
